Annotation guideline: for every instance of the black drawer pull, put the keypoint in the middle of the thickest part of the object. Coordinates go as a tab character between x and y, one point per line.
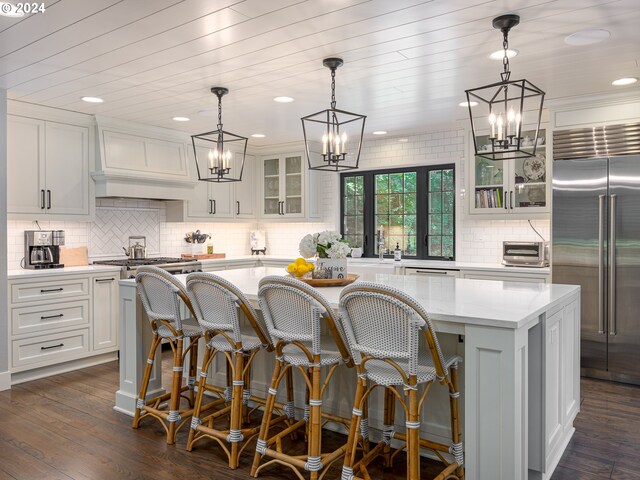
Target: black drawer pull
52	346
46	317
104	280
49	290
432	272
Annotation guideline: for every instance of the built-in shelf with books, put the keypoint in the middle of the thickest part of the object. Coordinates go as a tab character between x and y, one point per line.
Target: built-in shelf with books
511	187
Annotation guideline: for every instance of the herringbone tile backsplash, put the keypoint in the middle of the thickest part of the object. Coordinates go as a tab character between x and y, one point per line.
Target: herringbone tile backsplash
114	224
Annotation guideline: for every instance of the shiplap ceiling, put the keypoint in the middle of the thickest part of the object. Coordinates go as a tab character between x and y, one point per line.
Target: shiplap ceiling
407	62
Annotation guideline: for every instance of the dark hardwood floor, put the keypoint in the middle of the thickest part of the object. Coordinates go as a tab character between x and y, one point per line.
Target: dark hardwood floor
64	427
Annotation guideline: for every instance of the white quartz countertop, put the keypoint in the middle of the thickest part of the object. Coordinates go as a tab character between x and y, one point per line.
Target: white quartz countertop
479	302
87	269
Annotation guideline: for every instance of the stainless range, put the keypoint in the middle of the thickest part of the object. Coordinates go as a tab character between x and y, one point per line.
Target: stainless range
171	265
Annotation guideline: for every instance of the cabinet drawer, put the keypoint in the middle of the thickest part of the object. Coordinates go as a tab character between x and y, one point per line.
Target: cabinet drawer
47	317
431	272
506	277
50	349
48	290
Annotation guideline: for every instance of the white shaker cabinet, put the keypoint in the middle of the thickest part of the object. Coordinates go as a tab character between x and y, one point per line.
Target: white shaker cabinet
105	310
48	168
60	322
288	189
212	201
218	201
245	191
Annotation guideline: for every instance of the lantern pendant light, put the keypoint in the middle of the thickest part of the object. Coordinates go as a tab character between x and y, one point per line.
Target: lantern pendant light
219	154
333	137
504	107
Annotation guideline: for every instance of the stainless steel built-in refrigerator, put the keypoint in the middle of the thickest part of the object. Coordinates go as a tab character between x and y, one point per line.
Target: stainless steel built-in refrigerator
596	242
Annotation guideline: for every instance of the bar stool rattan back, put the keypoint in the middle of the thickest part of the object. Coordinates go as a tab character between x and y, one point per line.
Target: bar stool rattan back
162	296
217	305
384	328
294	313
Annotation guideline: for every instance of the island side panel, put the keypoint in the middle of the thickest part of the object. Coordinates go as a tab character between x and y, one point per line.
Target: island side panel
135	343
496	421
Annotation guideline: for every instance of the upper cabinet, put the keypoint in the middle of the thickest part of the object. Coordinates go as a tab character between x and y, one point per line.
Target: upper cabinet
514	187
48	169
287	189
219	201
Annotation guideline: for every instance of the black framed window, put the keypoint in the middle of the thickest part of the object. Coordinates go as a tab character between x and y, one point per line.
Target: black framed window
415	207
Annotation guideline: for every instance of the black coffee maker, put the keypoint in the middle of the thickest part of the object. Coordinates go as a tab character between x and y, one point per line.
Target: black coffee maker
42	248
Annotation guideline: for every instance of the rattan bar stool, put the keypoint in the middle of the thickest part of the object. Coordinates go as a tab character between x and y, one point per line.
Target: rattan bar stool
293	312
217	303
161	296
383	327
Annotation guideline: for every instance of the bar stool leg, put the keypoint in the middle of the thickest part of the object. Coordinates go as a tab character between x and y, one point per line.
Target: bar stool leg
389	423
352	442
202	381
145	380
291	401
246	395
456	427
235	424
314	462
176	386
193	369
413	431
266	418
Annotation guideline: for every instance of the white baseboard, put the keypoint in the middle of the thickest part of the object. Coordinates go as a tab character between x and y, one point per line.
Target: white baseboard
5	380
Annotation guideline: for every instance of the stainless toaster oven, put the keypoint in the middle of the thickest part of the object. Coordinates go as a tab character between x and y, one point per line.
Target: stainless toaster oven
525	254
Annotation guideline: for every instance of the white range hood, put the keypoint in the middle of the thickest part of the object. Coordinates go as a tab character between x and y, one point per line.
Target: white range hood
141	161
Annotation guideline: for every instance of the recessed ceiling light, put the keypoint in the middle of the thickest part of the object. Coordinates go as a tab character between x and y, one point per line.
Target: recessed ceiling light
258	135
468	104
10	10
624	81
379	132
499	54
403	140
587	37
180	119
283	99
92	99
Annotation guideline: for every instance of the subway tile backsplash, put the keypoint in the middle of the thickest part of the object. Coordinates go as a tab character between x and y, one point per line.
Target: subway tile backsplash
478	240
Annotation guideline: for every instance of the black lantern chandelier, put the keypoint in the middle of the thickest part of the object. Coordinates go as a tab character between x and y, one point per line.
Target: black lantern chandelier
328	145
219	154
503	106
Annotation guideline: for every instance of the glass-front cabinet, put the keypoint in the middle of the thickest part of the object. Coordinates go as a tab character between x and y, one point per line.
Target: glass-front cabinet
286	193
510	186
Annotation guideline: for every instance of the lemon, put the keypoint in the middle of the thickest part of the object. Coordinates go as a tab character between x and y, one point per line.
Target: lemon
292	268
300	261
311	266
302	269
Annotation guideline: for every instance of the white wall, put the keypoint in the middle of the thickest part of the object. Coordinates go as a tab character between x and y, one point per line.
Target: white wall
5	377
478	240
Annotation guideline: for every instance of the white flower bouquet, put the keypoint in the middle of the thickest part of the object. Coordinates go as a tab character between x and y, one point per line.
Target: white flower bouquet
325	244
331	251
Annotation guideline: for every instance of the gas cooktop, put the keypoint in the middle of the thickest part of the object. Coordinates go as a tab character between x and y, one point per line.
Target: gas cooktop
144	261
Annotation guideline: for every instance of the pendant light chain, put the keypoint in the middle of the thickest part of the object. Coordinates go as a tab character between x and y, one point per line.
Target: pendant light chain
333	88
219	112
505	59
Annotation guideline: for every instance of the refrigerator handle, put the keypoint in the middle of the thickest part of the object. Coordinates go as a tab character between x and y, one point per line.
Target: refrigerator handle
612	265
601	269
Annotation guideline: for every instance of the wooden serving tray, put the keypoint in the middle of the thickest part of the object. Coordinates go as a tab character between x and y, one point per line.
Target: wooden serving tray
204	256
330	282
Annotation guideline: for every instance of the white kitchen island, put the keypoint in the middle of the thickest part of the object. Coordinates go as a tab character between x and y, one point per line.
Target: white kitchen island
519	379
